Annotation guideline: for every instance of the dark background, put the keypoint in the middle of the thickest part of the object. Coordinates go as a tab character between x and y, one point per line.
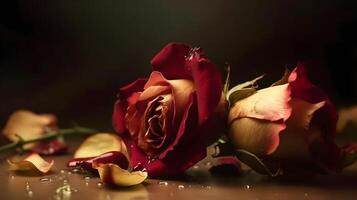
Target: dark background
70	57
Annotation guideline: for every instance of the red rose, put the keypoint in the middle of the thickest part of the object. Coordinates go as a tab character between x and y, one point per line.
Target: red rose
168	119
291	122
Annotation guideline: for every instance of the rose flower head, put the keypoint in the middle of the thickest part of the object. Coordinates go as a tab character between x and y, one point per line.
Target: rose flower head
168	119
291	123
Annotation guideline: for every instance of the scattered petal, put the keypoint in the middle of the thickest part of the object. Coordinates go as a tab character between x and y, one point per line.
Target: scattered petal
31	162
114	157
100	143
114	175
50	148
28	125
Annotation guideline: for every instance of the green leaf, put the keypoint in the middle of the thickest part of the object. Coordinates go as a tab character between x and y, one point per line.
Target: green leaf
242	91
256	163
226	84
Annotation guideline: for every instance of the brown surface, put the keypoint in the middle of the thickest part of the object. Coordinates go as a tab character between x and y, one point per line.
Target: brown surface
198	184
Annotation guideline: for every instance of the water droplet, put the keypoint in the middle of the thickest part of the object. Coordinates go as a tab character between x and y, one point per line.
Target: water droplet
76	170
65	182
208	164
196	167
69	173
64	192
247	187
99	184
180	187
12	177
209	187
27	186
87	178
87	184
45	180
163	183
30	193
62	171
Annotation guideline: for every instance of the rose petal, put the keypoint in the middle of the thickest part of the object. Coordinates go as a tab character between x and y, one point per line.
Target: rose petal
50	147
178	61
114	157
100	143
180	88
257	136
171	61
114	175
181	130
302	88
208	84
32	162
270	104
28	125
303	113
127	96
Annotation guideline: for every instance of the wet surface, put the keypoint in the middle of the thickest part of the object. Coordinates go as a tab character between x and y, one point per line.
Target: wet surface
198	183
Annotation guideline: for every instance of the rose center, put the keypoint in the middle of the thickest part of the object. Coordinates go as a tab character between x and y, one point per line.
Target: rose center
155	123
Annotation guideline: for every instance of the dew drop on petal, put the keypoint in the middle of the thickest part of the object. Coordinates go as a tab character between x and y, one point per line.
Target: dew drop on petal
247	187
99	184
180	187
62	171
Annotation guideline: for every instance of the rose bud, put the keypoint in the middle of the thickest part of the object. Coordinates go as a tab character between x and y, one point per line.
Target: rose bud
168	120
292	122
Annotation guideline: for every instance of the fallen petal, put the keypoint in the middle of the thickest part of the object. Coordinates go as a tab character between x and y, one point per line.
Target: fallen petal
114	157
99	144
50	147
28	125
112	174
32	162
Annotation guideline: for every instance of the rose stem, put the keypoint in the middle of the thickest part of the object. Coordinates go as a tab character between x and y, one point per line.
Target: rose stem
49	135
